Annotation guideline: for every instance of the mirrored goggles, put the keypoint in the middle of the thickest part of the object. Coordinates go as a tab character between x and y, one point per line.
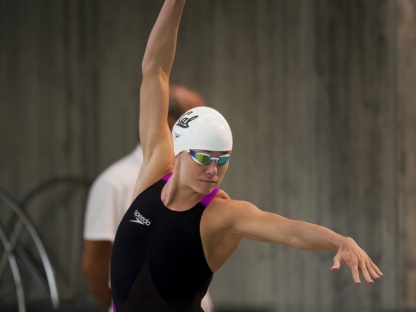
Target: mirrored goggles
205	159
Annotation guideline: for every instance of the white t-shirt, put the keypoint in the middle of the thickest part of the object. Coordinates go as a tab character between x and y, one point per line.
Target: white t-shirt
109	198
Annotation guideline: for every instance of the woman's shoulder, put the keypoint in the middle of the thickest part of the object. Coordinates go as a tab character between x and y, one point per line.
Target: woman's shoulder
230	212
223	199
223	205
222	195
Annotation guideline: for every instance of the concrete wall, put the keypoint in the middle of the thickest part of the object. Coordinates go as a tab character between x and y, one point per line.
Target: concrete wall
320	96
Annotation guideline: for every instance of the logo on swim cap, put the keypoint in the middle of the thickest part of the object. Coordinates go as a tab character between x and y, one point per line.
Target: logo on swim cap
184	121
202	128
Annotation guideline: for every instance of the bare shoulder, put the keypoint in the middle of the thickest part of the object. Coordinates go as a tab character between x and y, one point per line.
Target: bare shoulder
237	219
223	213
222	194
220	228
225	203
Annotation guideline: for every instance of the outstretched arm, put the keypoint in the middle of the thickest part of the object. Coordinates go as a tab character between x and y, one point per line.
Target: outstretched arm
308	236
155	135
250	222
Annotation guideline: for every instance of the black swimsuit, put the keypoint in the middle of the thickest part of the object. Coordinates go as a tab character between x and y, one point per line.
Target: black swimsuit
158	263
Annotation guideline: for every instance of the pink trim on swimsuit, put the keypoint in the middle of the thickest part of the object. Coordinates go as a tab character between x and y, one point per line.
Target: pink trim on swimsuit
206	199
167	177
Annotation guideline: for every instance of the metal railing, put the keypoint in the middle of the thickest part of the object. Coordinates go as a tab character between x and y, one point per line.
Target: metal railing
14	257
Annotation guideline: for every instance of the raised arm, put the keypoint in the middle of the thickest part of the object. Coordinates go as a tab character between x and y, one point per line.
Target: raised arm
155	135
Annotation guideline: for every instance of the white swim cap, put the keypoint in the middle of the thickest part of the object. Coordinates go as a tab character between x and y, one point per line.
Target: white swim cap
202	128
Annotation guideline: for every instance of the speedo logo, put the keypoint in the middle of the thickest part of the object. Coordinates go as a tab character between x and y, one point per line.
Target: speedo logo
140	219
184	121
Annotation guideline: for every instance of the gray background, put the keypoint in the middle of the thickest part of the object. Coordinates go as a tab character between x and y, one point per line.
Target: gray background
320	95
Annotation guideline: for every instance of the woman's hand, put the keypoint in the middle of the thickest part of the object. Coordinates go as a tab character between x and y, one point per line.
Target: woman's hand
357	260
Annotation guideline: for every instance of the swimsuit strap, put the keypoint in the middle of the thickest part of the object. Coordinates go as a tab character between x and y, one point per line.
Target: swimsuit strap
206	199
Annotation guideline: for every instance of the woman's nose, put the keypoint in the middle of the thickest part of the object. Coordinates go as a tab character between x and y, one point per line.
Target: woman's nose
211	168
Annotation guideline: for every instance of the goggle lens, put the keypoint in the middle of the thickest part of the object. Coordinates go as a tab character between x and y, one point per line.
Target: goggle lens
205	159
